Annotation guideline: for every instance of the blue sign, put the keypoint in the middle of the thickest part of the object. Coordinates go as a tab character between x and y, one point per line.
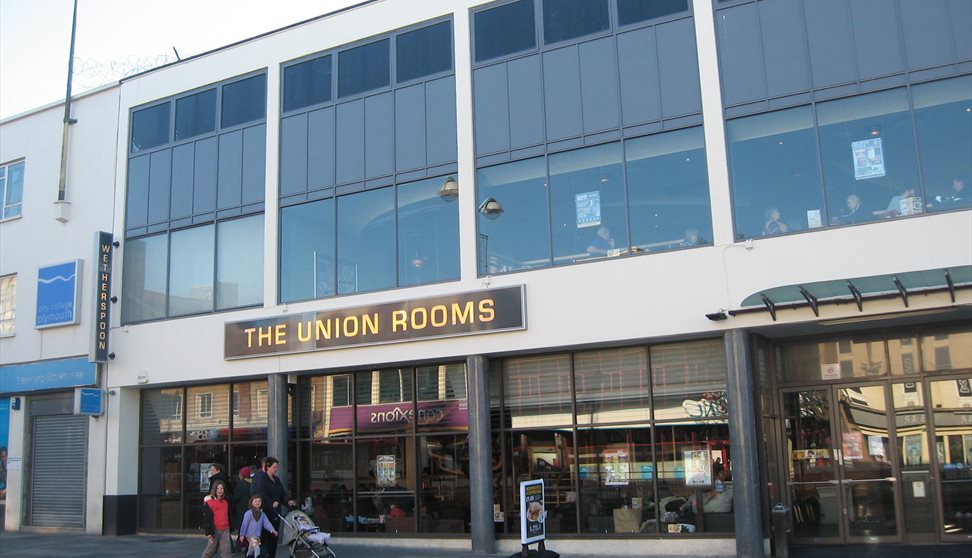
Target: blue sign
89	401
50	374
58	294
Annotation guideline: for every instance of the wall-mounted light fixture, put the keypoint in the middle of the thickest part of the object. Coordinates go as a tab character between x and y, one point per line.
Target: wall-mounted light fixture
449	189
491	208
717	316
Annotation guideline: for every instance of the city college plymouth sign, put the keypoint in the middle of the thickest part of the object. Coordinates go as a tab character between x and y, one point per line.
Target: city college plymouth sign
459	314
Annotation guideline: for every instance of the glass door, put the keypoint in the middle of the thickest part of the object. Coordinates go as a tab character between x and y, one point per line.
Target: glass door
841	478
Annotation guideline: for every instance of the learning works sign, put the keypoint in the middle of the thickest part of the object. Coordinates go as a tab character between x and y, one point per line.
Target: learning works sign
477	312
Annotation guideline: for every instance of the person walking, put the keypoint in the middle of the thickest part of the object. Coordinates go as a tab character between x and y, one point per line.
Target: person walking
216	522
267	485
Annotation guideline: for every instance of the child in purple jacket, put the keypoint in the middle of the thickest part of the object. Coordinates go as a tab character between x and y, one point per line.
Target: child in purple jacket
254	523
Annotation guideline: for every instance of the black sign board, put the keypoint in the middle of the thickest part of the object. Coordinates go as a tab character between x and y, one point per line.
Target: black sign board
102	302
486	311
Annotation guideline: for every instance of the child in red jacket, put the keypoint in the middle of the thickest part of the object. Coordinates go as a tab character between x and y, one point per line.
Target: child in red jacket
216	522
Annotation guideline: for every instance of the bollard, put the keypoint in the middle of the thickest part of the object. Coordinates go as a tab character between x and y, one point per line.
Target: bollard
782	527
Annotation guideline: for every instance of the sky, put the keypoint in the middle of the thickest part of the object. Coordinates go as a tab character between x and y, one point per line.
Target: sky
119	37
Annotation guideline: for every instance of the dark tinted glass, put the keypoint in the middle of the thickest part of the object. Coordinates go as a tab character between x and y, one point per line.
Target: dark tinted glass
943	118
567	19
143	285
424	51
505	30
195	114
307	83
363	68
633	11
244	101
150	127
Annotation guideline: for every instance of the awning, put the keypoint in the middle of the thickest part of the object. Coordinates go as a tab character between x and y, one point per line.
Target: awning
858	290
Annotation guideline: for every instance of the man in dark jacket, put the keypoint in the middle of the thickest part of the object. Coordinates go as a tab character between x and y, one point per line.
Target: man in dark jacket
267	484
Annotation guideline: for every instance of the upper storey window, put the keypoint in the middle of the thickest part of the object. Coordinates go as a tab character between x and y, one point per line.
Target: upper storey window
11	189
505	30
634	11
150	127
307	83
569	19
363	68
195	115
423	52
244	101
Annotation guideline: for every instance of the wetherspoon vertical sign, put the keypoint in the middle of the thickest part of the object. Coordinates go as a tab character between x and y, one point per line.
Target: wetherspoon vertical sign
487	311
102	305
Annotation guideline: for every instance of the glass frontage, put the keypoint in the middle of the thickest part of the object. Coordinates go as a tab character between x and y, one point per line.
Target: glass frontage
386	451
631	440
185	430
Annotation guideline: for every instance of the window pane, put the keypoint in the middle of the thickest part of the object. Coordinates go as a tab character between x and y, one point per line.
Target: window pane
947	350
538	391
688	455
519	238
329	477
543	454
587	204
366	241
160	488
161	416
8	304
327	405
813	361
307	251
943	118
424	52
191	271
244	101
239	280
689	380
143	283
903	356
775	176
633	11
13	189
363	68
150	127
868	152
441	395
250	412
195	115
428	234
307	83
567	19
444	464
669	191
505	30
612	386
952	402
208	414
616	472
384	478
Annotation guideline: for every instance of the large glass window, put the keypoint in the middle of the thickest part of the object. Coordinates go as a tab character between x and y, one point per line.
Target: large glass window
634	11
943	120
244	101
239	281
150	127
363	68
11	189
504	30
518	238
195	115
366	241
307	83
668	190
144	281
689	380
191	271
587	204
867	147
947	349
851	357
611	386
428	234
567	19
423	52
538	391
775	175
952	401
307	251
8	305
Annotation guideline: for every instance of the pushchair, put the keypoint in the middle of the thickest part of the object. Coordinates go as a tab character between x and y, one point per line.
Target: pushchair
303	537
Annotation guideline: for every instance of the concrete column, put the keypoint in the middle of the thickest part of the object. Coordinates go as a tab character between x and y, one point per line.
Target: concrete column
277	422
744	446
480	458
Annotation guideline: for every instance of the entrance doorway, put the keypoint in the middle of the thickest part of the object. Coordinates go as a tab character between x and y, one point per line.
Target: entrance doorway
843	480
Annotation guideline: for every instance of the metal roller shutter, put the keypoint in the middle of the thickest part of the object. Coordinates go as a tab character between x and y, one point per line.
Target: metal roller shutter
58	471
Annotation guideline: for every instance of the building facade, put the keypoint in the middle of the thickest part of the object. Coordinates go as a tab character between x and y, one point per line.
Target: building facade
680	260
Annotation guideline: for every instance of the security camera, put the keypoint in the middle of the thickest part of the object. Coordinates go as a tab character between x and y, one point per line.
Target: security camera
717	316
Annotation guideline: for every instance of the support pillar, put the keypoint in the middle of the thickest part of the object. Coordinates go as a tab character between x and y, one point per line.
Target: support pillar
277	422
480	458
744	444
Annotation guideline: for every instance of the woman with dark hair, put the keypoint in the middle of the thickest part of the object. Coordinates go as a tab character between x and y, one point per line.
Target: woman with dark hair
267	485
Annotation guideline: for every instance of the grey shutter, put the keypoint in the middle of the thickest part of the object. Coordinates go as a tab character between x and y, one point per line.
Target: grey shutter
58	476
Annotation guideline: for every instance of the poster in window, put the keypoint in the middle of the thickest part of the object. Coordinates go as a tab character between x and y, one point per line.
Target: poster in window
875	446
868	158
386	470
204	477
853	445
588	209
830	371
533	515
698	469
616	467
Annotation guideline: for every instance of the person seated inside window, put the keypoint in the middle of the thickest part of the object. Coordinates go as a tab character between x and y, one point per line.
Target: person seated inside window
773	223
853	213
896	207
602	244
958	196
717	500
